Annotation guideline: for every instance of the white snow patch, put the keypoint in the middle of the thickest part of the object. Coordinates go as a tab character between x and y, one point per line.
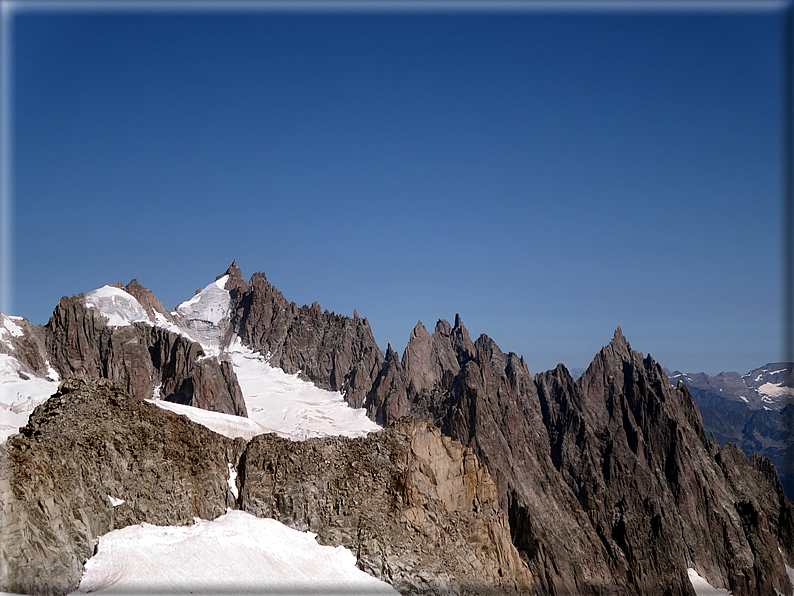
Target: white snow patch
775	391
156	391
234	554
747	401
115	502
52	374
231	480
223	424
117	306
758	378
774	372
702	587
11	327
18	395
290	406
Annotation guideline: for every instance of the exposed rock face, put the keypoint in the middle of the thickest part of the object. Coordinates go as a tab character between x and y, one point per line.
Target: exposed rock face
487	400
139	357
620	459
417	509
25	342
334	351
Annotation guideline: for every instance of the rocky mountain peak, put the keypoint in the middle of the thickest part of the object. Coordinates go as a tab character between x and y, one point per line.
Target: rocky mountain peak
443	327
391	355
236	280
418	331
146	298
335	352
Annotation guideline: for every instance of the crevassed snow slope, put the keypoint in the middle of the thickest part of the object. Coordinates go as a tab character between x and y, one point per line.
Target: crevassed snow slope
21	390
236	553
291	406
204	313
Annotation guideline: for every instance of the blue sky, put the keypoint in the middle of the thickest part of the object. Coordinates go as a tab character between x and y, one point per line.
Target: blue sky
547	176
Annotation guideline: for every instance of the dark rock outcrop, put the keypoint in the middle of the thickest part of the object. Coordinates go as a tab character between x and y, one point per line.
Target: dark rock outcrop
139	357
333	351
416	508
27	344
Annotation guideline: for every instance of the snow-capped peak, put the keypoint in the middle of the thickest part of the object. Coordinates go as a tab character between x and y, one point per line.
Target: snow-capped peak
117	306
205	312
210	305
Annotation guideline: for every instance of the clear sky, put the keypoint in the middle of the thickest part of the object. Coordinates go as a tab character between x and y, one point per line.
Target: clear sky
547	176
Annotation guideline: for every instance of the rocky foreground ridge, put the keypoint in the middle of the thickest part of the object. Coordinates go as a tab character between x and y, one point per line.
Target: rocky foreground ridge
417	508
609	482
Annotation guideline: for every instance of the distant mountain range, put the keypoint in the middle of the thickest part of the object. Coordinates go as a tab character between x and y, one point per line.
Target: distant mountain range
753	411
765	388
484	479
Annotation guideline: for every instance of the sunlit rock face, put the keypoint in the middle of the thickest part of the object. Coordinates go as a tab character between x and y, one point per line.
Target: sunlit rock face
609	481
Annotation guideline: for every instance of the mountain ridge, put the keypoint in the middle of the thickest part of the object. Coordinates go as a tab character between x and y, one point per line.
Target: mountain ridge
609	482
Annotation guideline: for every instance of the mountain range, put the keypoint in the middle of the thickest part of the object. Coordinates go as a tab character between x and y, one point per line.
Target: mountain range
484	478
753	411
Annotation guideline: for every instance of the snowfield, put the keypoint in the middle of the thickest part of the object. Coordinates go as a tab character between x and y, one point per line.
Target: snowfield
772	392
278	403
21	390
236	553
290	406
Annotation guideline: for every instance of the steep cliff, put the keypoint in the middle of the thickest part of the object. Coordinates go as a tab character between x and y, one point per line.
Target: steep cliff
609	481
